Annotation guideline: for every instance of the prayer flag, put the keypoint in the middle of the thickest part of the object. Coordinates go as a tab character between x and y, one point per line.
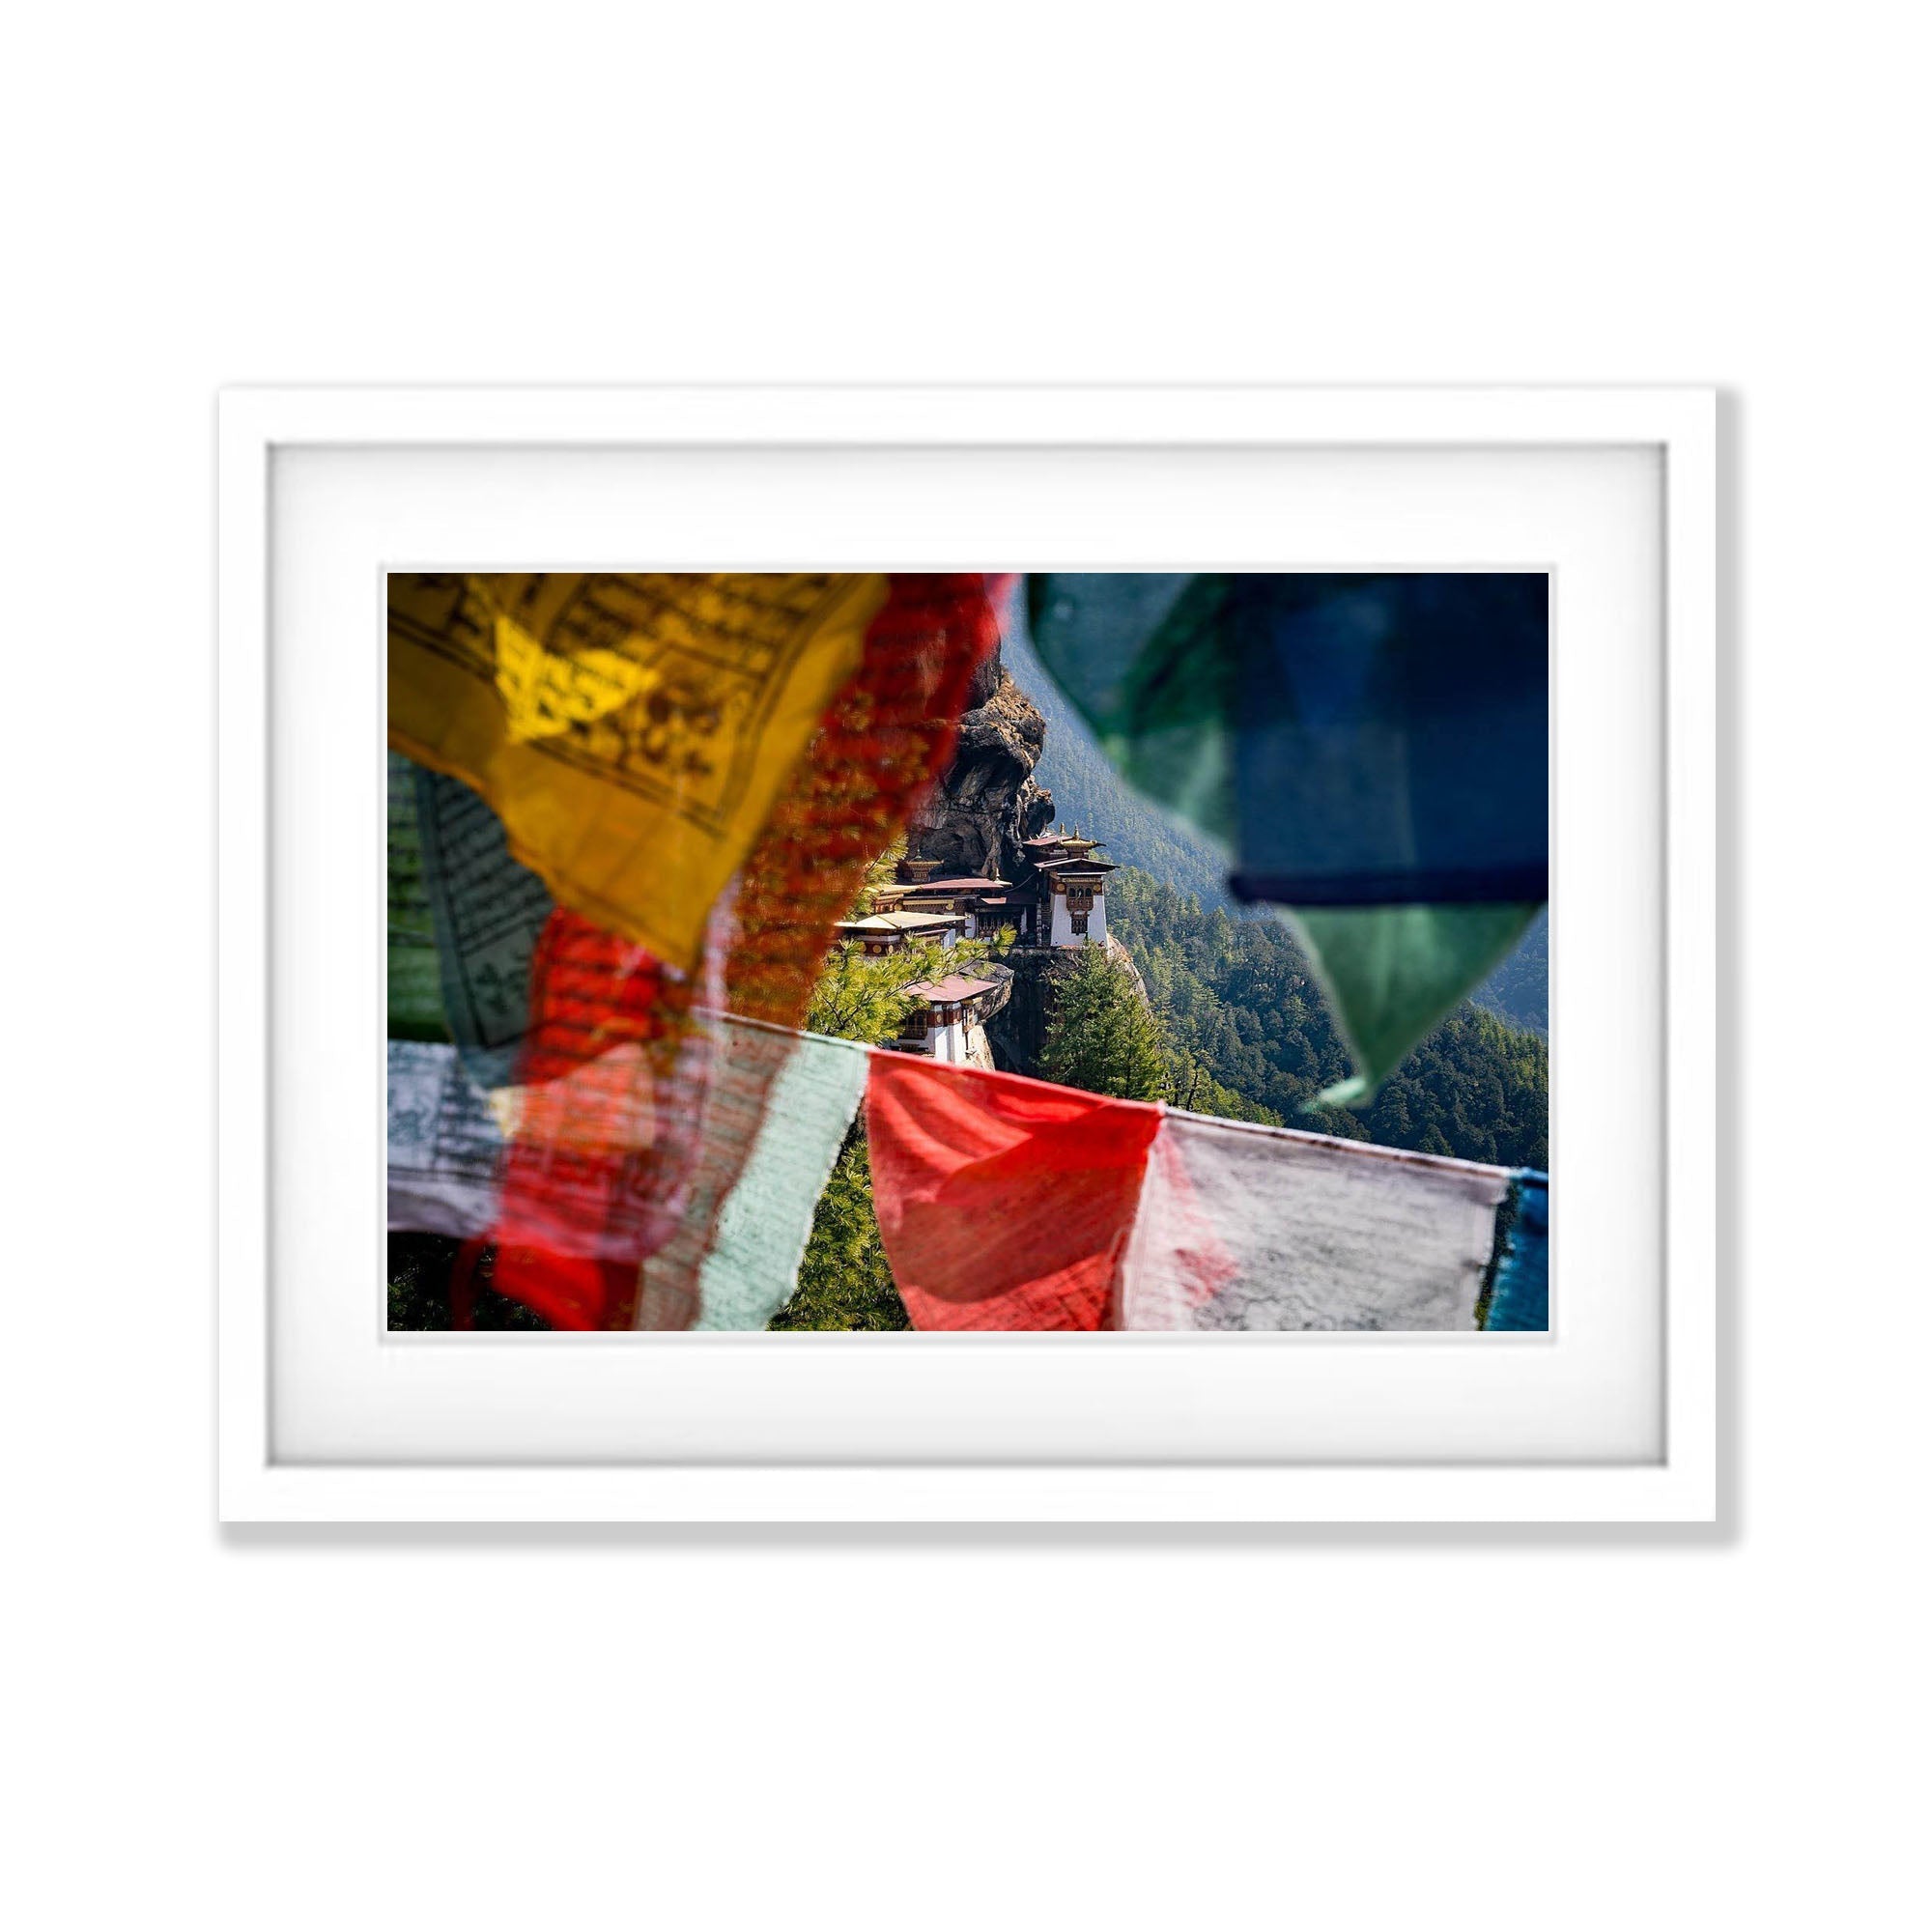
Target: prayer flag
776	1112
632	730
415	998
1392	972
1393	741
746	1067
751	1267
487	912
1004	1203
1521	1298
611	1085
1371	750
444	1143
1001	1203
1244	1227
1353	739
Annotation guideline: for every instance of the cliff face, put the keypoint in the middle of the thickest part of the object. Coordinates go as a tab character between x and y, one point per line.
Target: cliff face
973	825
1017	1032
987	802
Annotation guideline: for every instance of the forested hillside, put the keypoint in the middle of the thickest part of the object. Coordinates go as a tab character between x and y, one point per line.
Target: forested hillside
1518	989
1238	1005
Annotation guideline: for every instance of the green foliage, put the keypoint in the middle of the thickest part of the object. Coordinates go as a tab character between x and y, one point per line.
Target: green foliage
862	998
1191	1084
865	998
1475	1088
1103	1037
882	871
844	1281
1518	991
420	1267
1240	1008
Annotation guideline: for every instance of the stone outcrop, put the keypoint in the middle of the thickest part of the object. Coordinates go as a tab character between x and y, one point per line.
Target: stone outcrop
1017	1032
987	802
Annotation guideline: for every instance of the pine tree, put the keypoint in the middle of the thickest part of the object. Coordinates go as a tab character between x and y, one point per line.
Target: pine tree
844	1280
863	998
1104	1036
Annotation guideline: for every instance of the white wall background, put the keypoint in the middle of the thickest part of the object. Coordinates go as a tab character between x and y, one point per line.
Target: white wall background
589	1729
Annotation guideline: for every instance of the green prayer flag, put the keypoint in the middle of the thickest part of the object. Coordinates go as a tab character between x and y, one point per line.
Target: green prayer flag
1392	972
751	1269
1139	655
1369	749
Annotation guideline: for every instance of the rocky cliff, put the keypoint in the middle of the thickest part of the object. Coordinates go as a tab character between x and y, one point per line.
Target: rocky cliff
973	824
1017	1032
987	802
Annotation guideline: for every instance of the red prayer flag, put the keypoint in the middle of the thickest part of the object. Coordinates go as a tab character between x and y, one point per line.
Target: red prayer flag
1003	1203
878	752
611	1083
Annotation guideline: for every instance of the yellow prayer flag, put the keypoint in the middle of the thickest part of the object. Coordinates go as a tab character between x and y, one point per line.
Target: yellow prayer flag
632	731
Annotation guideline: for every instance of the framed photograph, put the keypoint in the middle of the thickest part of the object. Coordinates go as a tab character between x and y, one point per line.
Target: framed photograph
1053	955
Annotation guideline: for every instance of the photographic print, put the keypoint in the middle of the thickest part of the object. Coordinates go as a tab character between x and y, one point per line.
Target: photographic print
978	951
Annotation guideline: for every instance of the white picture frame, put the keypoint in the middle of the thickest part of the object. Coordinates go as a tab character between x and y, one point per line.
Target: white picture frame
291	1447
